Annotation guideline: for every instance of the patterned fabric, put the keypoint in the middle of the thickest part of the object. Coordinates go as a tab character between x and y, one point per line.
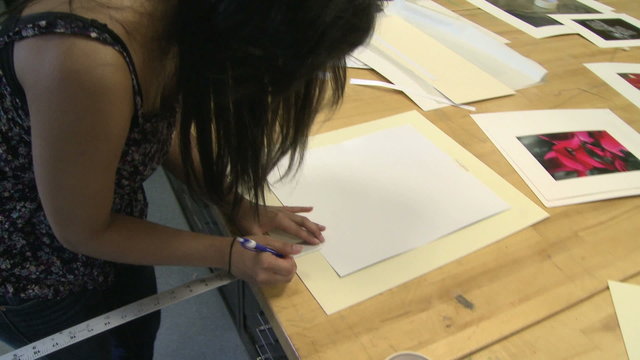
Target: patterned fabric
33	264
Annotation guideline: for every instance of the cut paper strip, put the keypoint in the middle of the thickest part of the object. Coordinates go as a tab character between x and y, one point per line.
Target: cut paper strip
383	84
626	299
416	88
335	293
387	85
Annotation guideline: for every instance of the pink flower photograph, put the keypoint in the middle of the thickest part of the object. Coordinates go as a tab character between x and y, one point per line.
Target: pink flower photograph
581	153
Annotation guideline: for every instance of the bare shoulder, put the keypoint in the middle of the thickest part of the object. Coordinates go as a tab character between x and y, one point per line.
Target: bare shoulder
79	67
71	60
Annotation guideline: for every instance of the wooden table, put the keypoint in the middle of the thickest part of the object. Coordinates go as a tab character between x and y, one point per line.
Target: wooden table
538	294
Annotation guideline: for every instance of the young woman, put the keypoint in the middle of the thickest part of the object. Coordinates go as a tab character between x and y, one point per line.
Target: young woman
97	93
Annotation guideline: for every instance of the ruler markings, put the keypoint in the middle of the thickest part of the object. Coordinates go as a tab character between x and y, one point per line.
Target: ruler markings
117	317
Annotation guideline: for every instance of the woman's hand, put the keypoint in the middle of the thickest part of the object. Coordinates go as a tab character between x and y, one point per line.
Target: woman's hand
283	218
264	268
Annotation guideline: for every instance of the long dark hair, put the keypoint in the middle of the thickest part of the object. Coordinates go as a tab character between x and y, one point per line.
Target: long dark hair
251	77
253	74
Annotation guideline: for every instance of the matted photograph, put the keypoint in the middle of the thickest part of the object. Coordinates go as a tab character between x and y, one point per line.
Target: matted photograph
605	30
632	79
623	77
568	156
533	16
574	154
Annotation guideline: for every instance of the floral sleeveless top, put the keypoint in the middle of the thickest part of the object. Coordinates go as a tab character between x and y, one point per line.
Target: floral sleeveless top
33	264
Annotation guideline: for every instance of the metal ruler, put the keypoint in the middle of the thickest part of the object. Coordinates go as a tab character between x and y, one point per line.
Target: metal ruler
117	317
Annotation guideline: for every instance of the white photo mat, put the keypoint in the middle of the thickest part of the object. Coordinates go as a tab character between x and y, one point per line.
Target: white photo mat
626	297
542	31
580	23
610	73
504	129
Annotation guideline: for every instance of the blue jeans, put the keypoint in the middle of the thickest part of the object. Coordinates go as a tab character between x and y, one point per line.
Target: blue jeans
23	322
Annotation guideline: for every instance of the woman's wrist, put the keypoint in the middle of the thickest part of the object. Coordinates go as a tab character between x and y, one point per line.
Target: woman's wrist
230	256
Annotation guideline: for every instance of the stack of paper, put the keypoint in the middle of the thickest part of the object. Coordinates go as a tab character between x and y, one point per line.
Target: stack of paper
419	64
484	49
438	59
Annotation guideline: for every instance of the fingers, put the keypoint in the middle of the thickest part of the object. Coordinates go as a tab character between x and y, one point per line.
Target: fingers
304	209
284	248
305	229
300	226
264	268
298	209
275	270
284	218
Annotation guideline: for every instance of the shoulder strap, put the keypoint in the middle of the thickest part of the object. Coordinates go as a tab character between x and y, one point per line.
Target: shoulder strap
17	28
6	55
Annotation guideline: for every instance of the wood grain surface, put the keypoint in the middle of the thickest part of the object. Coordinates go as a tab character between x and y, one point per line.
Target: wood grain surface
538	294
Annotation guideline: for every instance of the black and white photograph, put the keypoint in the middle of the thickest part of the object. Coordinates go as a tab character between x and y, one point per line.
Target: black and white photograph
535	17
611	29
605	30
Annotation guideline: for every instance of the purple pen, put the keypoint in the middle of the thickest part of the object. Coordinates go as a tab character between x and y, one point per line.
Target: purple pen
254	246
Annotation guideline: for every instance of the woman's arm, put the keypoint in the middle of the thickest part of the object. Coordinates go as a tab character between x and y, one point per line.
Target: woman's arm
80	103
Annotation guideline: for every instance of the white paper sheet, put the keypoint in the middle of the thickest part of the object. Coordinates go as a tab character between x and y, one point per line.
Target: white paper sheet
383	194
612	74
505	128
433	6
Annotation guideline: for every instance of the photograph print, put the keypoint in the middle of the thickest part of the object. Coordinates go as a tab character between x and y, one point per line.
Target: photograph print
611	29
632	79
537	16
577	154
604	30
